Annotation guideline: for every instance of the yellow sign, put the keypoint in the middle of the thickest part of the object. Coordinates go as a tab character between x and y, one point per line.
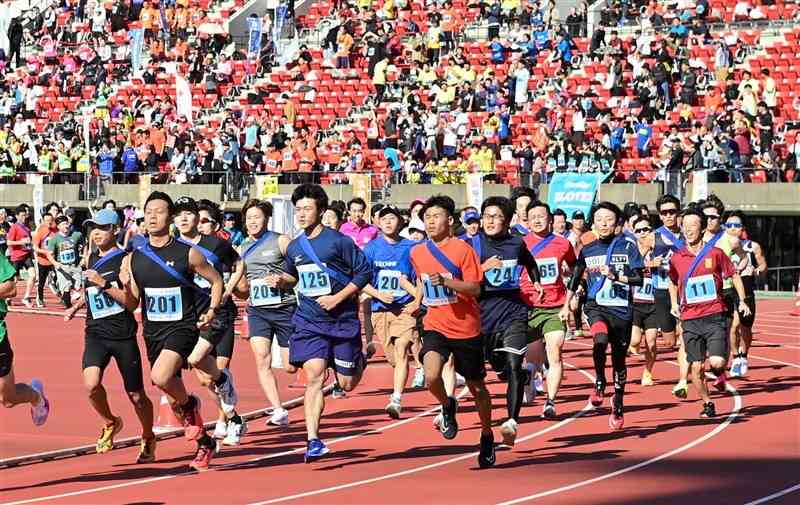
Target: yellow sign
362	188
144	189
266	186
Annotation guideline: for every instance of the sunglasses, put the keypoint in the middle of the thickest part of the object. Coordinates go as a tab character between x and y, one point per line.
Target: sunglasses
643	230
205	220
733	225
668	212
712	216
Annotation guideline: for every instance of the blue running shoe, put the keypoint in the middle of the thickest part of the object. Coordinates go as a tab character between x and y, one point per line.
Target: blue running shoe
40	412
315	450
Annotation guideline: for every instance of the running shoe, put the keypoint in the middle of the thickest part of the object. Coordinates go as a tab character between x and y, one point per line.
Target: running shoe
708	410
509	432
460	380
419	378
280	417
647	378
569	335
394	408
720	383
549	409
486	456
106	440
227	393
220	430
448	425
437	420
192	420
538	383
681	390
202	459
371	350
147	451
40	411
39	303
616	420
596	398
736	367
235	433
27	302
316	449
743	366
337	392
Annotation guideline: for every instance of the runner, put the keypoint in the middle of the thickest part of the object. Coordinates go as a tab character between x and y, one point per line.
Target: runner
220	254
19	241
13	393
750	263
46	272
328	270
645	320
63	252
449	276
270	309
613	264
521	197
393	301
472	225
549	313
503	314
696	274
111	333
158	274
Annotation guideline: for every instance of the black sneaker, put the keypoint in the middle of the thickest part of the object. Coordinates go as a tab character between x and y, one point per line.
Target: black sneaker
708	410
448	425
549	410
486	456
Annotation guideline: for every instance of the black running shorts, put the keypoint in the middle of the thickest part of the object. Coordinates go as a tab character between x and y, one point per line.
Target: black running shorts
644	316
181	342
98	352
663	306
6	355
707	335
467	353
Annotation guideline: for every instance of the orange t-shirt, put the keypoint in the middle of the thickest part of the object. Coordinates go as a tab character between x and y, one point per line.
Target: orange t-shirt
40	237
289	164
452	314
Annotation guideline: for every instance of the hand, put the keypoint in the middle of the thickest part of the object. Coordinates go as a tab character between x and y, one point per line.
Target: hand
675	311
328	302
205	320
273	280
744	310
492	263
605	271
69	314
25	240
539	289
94	277
654	262
412	307
225	297
437	279
385	297
563	314
124	275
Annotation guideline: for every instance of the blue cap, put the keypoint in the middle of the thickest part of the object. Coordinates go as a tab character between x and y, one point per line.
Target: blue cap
471	216
104	217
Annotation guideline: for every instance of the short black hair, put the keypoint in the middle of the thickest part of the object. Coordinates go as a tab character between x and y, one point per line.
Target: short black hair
608	206
312	191
212	208
376	209
103	206
263	205
713	201
338	206
23	207
160	195
539	203
733	213
51	205
358	200
501	202
631	210
559	212
667	198
698	213
522	191
441	201
640	219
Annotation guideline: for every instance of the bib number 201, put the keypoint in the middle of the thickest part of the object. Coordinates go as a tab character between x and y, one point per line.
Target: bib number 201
164	304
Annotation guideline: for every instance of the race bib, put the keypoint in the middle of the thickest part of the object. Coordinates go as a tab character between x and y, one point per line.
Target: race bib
164	304
313	281
660	279
261	294
700	289
101	304
645	292
436	296
389	282
505	277
67	256
613	294
548	270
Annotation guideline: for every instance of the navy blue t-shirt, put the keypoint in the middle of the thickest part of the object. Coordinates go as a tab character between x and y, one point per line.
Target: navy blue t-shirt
336	252
388	263
612	296
500	300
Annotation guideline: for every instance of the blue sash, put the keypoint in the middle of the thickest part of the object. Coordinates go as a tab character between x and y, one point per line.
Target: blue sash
210	256
443	260
521	229
305	245
598	285
702	254
542	244
264	236
108	257
670	236
476	244
152	256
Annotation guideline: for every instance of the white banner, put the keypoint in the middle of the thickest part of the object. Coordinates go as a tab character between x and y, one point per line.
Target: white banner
474	190
283	216
38	196
183	98
700	185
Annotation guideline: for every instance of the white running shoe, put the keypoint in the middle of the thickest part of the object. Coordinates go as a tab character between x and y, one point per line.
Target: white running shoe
220	430
419	378
227	393
235	433
743	367
736	367
538	383
437	420
394	408
280	417
509	432
460	380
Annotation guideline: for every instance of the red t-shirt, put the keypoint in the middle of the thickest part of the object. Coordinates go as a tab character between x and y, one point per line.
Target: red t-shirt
452	314
18	232
702	295
549	260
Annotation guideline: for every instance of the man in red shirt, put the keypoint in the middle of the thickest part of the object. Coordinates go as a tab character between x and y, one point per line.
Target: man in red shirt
696	272
21	252
449	276
550	311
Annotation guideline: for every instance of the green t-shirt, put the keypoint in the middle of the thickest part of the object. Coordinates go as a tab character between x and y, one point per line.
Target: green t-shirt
7	272
64	248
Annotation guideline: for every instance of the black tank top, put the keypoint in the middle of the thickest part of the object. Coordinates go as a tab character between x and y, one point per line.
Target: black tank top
225	257
167	306
105	317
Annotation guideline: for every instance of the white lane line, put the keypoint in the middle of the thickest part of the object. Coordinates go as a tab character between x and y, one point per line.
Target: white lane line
793	365
728	420
775	495
779	344
225	466
432	465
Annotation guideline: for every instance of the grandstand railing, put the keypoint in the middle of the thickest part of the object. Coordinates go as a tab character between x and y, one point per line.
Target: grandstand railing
782	278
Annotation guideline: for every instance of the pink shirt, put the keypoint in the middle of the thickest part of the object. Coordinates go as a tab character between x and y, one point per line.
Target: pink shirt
361	233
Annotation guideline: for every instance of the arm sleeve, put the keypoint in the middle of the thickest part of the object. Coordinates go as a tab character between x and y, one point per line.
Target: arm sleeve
577	274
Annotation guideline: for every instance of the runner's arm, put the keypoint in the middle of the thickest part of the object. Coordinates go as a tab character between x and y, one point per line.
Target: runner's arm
636	278
8	289
233	282
132	294
760	259
199	265
76	306
673	295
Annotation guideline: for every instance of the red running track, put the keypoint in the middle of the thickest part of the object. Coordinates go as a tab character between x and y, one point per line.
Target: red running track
665	454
